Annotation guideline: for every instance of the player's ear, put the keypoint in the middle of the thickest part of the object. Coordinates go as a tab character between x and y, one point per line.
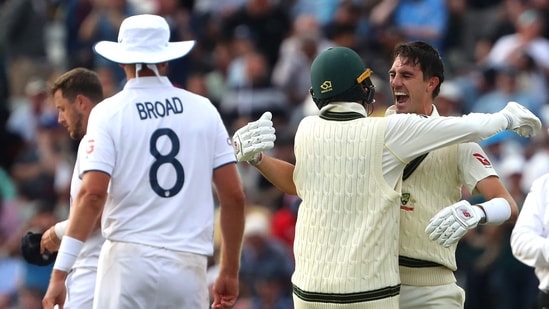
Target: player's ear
78	100
82	102
433	82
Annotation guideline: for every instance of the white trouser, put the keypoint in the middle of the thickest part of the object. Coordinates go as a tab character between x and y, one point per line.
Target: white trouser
80	287
133	276
447	296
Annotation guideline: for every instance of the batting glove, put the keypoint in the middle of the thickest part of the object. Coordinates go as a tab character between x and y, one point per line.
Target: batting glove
251	140
521	120
451	223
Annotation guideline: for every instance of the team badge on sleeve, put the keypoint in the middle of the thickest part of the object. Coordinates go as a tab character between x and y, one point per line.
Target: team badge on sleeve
482	159
90	146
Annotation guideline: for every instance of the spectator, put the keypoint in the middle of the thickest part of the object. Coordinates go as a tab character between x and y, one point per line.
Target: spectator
267	265
507	89
255	95
291	72
268	22
79	52
23	42
423	20
449	100
24	119
527	40
102	23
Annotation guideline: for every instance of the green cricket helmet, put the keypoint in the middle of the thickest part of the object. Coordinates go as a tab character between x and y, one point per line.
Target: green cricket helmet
339	73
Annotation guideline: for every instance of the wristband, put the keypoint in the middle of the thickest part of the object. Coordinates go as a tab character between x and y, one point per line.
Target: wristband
68	252
60	228
257	161
497	210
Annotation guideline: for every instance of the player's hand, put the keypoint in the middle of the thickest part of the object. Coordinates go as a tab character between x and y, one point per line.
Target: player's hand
521	120
30	250
254	138
451	223
225	291
49	241
56	293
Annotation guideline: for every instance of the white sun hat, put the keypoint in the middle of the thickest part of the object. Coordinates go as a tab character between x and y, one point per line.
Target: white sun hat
143	39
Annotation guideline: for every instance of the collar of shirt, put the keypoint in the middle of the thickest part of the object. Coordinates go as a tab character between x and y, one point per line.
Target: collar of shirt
148	82
391	110
344	107
343	111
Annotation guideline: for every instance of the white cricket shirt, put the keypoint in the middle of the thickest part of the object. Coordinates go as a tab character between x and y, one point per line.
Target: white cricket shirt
160	144
435	184
89	255
529	239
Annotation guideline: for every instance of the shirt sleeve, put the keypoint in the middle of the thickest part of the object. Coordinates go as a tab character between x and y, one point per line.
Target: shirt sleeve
224	151
529	237
408	135
99	151
474	165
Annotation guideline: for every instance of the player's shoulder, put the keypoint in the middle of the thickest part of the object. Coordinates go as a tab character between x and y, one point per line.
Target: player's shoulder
195	100
541	181
469	147
109	104
403	119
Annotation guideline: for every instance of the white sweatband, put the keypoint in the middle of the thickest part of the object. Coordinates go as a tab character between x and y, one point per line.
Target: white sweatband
60	228
497	210
68	252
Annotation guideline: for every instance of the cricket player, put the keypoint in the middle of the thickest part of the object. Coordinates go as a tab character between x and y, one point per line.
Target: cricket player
432	181
529	236
74	94
348	174
156	149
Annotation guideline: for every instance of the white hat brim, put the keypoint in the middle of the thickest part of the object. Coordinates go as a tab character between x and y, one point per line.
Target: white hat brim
116	52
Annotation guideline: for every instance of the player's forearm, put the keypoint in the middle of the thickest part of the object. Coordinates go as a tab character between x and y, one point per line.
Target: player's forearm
60	228
84	215
492	188
279	173
82	219
232	229
414	136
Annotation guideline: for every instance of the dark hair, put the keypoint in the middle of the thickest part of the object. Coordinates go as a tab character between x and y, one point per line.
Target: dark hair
426	56
79	81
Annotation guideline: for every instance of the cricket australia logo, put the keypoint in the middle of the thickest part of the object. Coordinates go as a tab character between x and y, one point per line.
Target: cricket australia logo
326	86
407	203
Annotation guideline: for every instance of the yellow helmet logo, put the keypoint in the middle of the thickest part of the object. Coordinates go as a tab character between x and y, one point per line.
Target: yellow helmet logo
326	86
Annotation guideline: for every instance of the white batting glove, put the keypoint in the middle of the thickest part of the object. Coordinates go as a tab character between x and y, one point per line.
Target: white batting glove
521	120
254	138
451	223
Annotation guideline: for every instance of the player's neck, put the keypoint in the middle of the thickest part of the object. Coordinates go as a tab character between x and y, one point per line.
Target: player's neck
426	109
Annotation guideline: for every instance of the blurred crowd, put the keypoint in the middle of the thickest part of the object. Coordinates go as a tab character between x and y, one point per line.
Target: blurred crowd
252	56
